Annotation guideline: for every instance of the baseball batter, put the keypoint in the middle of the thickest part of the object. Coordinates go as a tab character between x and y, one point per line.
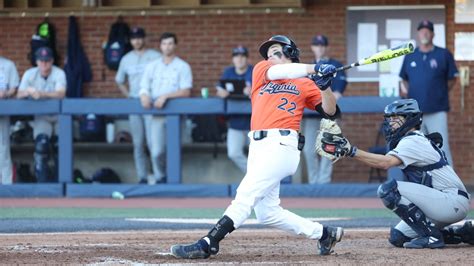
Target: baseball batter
9	81
431	196
280	91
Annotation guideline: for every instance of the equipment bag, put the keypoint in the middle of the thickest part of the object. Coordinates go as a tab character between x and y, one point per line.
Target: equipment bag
92	128
118	44
45	36
106	175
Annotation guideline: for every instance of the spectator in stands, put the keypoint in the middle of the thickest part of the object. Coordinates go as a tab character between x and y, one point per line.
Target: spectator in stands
320	168
238	125
166	78
9	81
428	75
128	79
43	82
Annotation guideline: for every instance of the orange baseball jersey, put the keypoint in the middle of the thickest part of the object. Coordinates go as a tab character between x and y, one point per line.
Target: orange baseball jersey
280	103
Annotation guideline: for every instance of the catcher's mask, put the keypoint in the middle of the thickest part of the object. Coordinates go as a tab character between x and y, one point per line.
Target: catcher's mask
290	49
409	110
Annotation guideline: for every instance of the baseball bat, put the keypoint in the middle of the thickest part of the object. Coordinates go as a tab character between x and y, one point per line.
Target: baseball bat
384	55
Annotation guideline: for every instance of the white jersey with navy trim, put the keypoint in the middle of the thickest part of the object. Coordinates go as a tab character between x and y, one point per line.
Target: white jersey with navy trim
442	204
417	150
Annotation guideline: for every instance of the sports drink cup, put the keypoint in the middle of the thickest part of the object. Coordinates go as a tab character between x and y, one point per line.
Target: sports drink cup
205	93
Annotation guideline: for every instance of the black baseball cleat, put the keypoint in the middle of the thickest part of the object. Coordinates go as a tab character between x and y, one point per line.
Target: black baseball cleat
334	235
467	232
425	242
191	251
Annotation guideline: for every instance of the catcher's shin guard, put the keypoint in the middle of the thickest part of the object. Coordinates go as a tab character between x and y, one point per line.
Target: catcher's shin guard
428	235
388	193
41	158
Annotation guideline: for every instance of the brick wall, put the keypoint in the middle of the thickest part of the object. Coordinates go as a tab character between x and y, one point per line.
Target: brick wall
205	42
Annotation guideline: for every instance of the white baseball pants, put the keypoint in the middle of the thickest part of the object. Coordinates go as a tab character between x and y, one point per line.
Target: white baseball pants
440	207
270	160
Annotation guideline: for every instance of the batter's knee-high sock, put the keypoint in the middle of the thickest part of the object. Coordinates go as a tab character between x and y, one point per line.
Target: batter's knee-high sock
222	228
325	233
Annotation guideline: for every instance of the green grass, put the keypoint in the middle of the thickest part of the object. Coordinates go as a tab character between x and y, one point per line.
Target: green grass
89	213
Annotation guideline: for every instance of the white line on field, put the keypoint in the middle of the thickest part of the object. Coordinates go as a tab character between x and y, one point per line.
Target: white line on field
375	229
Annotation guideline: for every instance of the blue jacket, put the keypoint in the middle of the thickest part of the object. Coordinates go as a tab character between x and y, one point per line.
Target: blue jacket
77	68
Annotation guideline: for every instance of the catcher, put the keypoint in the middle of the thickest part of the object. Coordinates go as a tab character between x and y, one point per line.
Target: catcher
430	197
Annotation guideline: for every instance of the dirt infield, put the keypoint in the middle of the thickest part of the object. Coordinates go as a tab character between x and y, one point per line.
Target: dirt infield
267	247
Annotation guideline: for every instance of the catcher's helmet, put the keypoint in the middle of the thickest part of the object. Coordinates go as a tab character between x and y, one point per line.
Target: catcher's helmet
289	47
408	108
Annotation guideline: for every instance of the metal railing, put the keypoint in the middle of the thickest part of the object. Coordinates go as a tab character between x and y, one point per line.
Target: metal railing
67	108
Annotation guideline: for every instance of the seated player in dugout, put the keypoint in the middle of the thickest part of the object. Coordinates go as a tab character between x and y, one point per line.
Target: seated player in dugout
431	196
280	91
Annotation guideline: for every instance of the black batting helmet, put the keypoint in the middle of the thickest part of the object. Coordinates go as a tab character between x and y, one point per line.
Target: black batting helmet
289	47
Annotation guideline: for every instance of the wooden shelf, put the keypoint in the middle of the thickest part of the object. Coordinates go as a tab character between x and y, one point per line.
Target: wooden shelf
275	3
226	2
180	3
125	3
40	3
272	2
67	3
15	4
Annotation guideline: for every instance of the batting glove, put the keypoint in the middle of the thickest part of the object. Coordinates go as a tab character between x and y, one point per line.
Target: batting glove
325	73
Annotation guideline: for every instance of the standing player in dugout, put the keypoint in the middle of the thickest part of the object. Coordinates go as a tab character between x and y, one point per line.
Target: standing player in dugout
280	91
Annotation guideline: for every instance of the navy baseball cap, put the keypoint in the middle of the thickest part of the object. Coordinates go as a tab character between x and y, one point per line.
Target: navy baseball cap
240	50
44	54
137	32
320	40
426	24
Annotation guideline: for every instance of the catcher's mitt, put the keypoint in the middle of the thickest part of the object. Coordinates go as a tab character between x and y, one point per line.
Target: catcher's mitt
331	143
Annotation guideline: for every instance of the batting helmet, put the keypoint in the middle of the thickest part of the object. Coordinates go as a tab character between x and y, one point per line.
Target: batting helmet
408	108
289	47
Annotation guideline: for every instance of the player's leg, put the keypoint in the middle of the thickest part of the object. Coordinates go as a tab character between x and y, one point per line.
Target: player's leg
42	131
443	207
438	122
310	127
236	140
5	158
416	204
454	207
410	214
158	147
400	234
459	234
147	122
269	212
325	170
42	125
137	131
270	160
